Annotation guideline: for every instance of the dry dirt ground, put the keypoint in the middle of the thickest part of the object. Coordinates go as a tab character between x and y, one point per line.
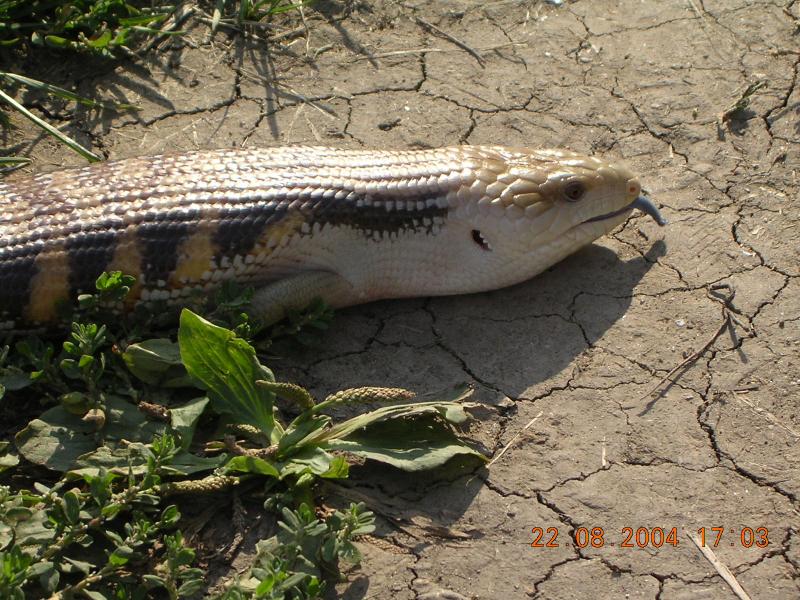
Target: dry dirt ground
565	363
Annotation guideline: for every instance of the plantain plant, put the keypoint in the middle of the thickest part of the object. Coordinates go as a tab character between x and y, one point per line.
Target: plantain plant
120	432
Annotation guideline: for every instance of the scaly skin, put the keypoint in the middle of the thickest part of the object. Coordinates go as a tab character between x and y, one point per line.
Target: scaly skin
295	223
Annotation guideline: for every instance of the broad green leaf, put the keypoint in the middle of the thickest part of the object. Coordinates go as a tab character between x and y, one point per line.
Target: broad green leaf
227	367
34	531
191	588
338	469
153	580
448	411
252	464
57	438
72	506
300	429
79	566
13	381
408	444
310	459
48	575
184	419
157	362
131	456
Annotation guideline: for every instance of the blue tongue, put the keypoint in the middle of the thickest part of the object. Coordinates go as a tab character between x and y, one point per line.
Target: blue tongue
643	204
646	206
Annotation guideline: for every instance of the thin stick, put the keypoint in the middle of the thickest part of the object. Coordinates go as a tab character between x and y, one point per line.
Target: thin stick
767	415
689	359
391	53
433	28
513	439
723	570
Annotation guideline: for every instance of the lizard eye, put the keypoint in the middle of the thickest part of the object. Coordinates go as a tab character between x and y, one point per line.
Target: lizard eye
574	190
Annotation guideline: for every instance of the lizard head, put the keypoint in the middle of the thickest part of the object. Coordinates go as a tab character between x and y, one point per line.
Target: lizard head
531	208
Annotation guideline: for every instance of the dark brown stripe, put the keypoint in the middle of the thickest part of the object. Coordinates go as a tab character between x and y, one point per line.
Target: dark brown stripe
370	218
240	228
159	242
90	253
17	269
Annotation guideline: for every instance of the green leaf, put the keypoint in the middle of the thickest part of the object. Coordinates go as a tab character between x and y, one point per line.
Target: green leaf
76	403
349	553
111	510
338	469
446	411
14	381
78	566
48	576
300	429
57	438
227	367
170	516
414	444
157	362
154	581
62	93
310	459
191	587
133	458
121	556
252	464
72	506
184	419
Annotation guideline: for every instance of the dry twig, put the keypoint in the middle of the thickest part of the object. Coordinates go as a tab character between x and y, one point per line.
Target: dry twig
514	439
469	49
720	567
727	319
392	53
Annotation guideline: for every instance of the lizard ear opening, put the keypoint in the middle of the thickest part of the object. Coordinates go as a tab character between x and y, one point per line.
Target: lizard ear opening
480	240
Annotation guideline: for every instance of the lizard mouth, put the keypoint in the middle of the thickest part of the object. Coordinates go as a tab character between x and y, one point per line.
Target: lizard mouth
642	203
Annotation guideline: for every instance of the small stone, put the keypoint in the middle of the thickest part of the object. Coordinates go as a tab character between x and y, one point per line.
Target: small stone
680	322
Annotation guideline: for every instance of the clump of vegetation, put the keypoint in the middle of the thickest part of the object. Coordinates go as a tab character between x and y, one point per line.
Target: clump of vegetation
106	29
120	431
136	420
100	27
109	28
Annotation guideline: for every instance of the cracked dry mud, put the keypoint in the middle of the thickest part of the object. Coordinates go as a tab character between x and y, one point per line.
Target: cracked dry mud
579	347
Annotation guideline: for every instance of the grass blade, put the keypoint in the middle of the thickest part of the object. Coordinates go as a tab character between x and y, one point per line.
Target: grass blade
54	90
64	139
12	163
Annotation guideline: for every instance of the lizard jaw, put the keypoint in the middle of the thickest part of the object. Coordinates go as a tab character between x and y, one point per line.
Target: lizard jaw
642	203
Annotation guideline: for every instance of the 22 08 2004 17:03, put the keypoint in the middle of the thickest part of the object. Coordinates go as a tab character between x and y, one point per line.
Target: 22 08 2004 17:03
650	537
